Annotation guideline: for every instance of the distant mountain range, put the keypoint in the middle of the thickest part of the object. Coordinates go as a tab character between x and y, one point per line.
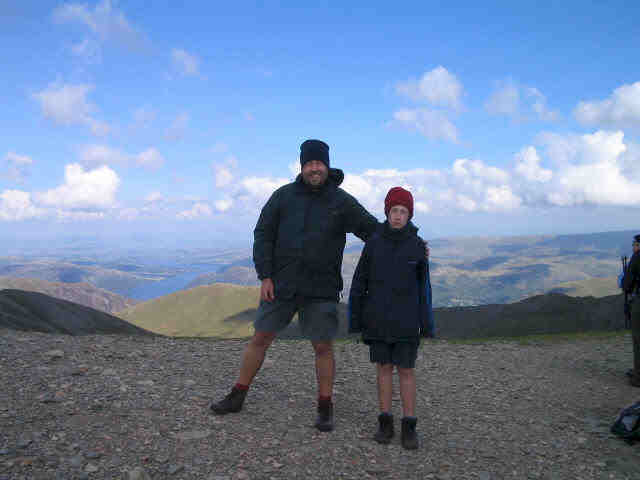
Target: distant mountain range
464	271
486	270
80	293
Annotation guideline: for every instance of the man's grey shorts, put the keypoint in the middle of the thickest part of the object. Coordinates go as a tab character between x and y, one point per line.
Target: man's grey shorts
318	318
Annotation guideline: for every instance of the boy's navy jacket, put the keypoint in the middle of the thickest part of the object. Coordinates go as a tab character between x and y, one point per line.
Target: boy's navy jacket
390	297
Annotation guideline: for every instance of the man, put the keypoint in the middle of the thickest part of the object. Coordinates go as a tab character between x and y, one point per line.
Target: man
298	246
631	285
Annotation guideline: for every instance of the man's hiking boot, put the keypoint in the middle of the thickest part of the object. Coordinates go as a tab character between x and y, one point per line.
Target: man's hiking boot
634	381
409	436
232	403
385	428
324	422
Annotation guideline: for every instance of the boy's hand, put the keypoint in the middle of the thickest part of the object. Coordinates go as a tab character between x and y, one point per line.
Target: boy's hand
267	291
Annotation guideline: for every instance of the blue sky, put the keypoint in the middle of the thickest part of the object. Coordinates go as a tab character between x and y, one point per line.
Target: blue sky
128	117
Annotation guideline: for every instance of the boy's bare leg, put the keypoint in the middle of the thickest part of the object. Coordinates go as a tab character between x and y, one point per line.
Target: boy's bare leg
408	391
385	386
325	367
253	356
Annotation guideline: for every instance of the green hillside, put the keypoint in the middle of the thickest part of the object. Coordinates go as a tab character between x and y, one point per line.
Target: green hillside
594	287
220	310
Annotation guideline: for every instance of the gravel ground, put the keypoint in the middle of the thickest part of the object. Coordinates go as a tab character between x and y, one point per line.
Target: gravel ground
127	407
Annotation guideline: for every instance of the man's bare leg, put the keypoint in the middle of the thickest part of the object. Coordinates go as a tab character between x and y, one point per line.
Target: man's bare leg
325	367
252	359
325	373
253	356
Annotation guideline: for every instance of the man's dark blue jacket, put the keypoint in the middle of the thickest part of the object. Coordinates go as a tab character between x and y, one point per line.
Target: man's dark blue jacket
390	297
301	233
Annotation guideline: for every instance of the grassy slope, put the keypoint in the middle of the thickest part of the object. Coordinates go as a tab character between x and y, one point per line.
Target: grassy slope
211	310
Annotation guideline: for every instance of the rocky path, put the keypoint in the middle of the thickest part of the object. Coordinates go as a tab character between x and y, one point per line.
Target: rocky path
120	407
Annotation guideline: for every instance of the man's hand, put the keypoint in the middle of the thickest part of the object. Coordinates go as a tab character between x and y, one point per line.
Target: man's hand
266	290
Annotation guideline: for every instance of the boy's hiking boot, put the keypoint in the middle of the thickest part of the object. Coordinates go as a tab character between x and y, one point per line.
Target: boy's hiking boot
409	436
232	403
324	422
385	428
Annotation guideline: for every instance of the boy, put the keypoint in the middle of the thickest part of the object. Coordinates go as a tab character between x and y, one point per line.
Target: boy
389	305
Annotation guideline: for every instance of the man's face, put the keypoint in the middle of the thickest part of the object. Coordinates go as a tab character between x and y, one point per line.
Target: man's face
398	216
315	173
636	247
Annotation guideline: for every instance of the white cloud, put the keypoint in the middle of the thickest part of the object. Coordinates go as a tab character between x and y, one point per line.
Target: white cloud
223	172
104	23
294	168
17	166
475	169
150	158
223	175
95	155
620	110
501	198
528	165
79	215
504	101
539	105
68	105
520	102
422	207
590	170
143	117
261	187
16	205
184	62
198	209
153	197
430	123
16	159
83	189
438	87
223	205
177	128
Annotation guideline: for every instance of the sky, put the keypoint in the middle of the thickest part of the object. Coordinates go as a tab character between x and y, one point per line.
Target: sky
156	120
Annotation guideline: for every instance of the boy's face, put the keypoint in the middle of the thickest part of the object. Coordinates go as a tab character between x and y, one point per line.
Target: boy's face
398	216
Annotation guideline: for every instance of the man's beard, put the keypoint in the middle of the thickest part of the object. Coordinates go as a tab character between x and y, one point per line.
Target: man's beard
315	181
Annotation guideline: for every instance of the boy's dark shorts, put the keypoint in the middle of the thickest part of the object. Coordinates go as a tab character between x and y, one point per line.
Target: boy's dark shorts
400	354
317	317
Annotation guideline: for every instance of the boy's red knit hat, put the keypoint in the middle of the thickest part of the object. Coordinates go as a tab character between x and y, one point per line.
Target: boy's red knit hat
398	196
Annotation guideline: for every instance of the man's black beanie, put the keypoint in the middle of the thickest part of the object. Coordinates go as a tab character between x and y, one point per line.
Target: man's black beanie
314	150
636	238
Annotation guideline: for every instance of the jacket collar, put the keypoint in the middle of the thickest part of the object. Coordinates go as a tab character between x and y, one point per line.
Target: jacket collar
408	230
